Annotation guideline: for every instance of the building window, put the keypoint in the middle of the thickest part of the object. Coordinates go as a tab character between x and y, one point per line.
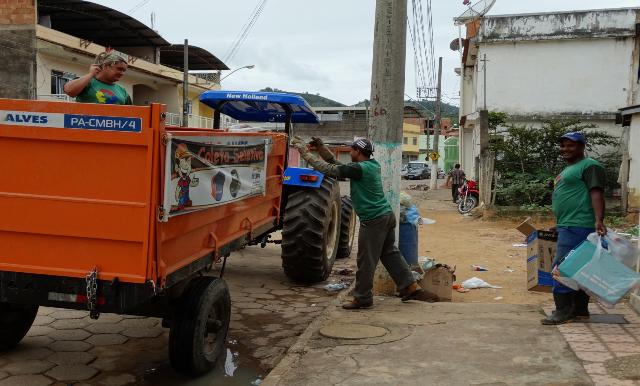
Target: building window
405	141
59	79
415	141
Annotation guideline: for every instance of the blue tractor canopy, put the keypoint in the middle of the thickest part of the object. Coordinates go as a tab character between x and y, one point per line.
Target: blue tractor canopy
259	107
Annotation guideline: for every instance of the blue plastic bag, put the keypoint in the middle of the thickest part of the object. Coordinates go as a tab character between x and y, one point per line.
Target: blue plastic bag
606	277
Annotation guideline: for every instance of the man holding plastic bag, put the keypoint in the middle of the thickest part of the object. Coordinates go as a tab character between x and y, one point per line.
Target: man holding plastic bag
578	205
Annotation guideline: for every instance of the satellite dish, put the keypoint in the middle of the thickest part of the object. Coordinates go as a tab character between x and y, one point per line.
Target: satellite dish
475	11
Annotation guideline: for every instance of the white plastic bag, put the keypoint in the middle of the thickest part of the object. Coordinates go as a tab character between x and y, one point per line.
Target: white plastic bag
476	282
618	246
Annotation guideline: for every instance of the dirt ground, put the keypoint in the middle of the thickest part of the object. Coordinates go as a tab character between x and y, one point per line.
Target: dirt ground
461	241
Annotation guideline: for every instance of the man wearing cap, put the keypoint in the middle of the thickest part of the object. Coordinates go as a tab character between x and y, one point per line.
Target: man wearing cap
376	239
578	205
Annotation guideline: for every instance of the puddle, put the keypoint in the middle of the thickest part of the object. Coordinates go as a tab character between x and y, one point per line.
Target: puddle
244	369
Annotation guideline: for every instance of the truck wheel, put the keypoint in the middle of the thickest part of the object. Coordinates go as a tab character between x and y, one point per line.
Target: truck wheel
347	229
311	231
15	321
199	326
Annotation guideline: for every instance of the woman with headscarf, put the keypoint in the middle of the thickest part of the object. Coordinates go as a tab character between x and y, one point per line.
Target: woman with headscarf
100	84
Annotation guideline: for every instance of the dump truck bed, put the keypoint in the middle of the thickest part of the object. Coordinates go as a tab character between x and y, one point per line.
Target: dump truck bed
86	186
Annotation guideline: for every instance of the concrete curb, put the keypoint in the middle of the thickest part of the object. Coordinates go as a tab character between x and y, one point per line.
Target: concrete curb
274	378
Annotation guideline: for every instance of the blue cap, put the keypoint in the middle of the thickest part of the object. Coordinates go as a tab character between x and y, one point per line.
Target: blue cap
574	136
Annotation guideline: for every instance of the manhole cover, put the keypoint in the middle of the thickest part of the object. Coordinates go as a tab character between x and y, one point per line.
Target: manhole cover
352	331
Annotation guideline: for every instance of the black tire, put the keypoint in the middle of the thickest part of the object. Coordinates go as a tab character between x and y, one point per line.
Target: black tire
347	229
468	205
311	231
15	321
199	326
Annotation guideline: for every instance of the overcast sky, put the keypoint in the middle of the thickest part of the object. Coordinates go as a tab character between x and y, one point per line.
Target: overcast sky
321	46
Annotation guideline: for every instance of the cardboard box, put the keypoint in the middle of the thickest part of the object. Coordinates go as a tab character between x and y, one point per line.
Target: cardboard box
541	250
439	281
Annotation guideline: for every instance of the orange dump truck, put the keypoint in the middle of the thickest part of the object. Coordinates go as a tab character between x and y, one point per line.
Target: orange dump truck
106	209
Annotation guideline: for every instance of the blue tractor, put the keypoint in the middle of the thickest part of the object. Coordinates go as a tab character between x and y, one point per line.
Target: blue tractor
317	224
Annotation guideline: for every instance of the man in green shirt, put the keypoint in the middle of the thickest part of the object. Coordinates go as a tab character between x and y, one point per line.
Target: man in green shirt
376	239
99	85
578	205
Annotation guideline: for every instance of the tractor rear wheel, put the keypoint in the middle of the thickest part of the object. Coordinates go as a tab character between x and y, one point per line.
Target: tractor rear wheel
347	229
15	321
311	231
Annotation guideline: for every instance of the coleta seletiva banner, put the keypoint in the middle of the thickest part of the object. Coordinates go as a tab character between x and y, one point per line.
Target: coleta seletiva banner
200	174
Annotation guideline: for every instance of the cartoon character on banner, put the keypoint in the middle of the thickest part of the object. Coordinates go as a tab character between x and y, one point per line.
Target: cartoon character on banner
183	168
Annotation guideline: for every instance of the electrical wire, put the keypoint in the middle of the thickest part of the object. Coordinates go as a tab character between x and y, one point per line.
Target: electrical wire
246	29
138	6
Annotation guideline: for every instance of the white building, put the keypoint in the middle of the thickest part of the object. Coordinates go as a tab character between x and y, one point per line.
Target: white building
580	64
631	126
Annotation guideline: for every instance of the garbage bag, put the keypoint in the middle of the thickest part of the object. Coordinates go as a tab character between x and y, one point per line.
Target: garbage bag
618	246
412	216
405	199
475	282
606	278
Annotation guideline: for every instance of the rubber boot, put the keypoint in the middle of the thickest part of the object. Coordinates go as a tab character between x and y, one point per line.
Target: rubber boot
564	312
581	305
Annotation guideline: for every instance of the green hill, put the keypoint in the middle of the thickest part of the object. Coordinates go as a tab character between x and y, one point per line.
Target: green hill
315	100
446	110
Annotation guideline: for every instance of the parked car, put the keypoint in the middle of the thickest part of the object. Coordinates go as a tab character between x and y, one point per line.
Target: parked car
404	171
418	170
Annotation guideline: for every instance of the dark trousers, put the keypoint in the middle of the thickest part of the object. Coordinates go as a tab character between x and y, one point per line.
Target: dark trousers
455	192
376	242
568	239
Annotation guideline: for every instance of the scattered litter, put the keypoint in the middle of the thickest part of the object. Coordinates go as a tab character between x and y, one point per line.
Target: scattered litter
520	245
498	298
426	221
475	282
335	287
460	288
313	305
480	268
417	276
345	271
257	382
426	263
509	270
233	342
229	364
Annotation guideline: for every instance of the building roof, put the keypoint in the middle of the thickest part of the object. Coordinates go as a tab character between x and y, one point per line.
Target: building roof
630	110
99	24
199	58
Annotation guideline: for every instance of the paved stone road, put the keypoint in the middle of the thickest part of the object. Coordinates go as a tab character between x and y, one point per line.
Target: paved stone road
269	312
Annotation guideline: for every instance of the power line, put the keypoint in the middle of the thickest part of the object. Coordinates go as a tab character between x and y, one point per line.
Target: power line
138	6
244	32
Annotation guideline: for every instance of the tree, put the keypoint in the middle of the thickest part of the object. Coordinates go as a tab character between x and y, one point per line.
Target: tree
528	159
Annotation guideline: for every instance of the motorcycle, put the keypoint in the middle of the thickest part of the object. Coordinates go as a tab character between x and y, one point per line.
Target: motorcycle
469	196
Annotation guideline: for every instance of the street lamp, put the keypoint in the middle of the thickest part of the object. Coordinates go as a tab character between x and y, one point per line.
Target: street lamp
237	69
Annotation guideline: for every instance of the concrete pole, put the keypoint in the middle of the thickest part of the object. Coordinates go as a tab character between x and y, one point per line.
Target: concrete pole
387	107
433	185
185	86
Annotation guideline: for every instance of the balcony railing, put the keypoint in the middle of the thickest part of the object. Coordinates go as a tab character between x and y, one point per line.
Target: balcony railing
55	97
174	119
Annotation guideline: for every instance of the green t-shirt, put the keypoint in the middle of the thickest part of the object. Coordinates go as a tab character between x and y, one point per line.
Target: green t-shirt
99	92
571	196
367	194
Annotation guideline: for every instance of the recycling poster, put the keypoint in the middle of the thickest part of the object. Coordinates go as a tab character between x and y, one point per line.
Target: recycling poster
202	174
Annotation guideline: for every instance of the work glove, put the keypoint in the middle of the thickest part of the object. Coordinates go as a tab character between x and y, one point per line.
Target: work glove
298	143
317	142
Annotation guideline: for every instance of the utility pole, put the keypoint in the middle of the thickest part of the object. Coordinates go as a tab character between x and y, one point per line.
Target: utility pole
433	185
185	86
387	107
484	82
